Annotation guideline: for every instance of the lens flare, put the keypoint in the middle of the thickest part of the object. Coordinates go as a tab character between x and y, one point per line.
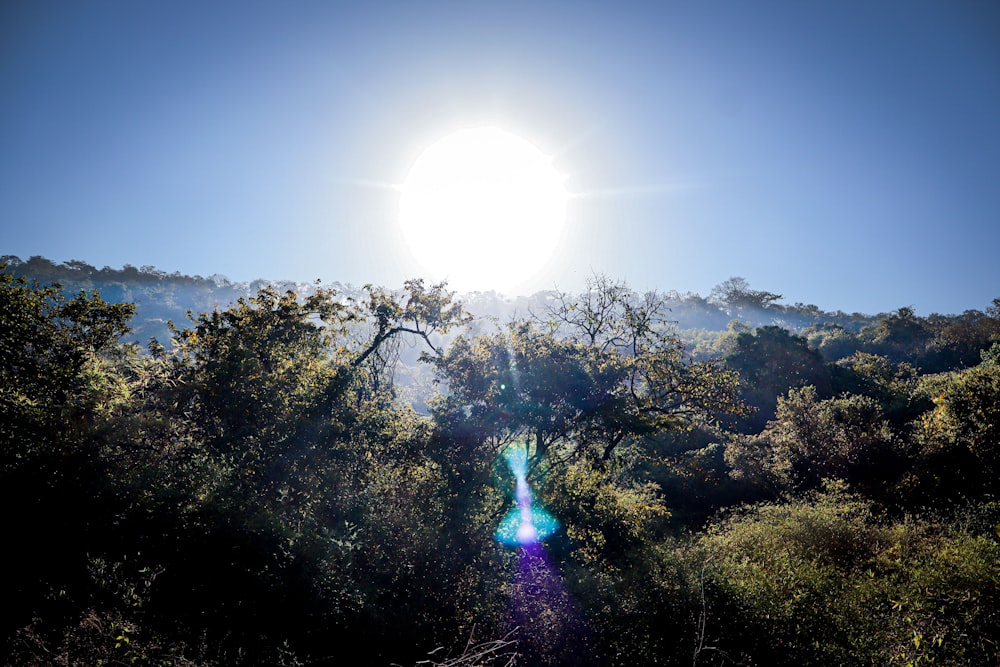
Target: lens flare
524	524
542	613
546	619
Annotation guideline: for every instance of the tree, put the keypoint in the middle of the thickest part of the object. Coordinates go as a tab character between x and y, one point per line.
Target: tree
302	456
589	374
737	297
832	340
903	336
770	361
268	378
48	345
892	385
994	309
58	396
421	312
959	340
844	438
960	436
251	374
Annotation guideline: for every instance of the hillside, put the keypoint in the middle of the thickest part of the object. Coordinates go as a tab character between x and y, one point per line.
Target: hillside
603	478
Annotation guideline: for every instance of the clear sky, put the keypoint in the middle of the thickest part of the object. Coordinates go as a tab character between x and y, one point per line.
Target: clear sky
845	154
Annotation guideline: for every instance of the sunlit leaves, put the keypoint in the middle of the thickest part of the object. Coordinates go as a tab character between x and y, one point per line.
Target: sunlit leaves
50	348
845	438
604	519
824	581
960	436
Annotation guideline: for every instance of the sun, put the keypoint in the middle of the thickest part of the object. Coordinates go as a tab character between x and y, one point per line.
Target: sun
483	209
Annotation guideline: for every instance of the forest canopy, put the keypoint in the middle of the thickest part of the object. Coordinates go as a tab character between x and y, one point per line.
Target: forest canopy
306	474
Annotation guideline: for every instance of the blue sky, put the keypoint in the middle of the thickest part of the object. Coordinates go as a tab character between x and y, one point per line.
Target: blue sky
844	154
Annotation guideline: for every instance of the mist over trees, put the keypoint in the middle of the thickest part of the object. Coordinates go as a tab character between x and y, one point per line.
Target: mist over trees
305	474
161	296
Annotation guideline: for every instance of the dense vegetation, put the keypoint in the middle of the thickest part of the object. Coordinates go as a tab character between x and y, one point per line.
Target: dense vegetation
302	475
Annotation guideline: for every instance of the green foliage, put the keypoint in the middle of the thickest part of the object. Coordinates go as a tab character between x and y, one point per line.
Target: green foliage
832	340
256	493
596	372
692	474
936	343
604	518
642	611
51	349
960	341
771	361
421	312
308	456
253	373
821	582
892	385
902	336
992	355
960	436
843	438
58	393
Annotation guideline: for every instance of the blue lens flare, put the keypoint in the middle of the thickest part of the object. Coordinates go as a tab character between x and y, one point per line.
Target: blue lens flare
541	612
517	460
513	531
524	524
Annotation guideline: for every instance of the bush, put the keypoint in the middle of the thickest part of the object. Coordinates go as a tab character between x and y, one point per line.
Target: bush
820	581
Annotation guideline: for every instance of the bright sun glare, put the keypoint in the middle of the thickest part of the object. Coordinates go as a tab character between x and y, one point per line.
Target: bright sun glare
483	208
